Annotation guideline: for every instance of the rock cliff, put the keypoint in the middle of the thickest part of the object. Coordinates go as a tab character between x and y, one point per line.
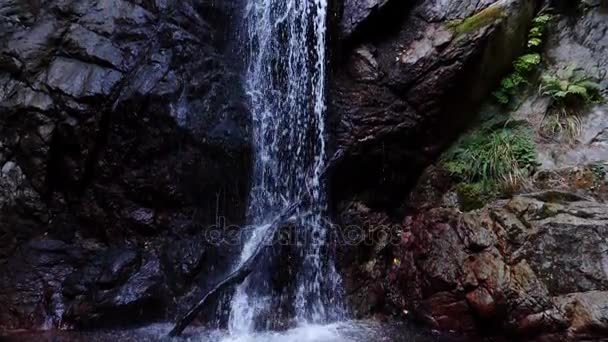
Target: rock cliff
123	133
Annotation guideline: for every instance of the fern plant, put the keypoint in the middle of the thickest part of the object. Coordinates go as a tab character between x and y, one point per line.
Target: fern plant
570	91
570	87
524	66
512	83
535	36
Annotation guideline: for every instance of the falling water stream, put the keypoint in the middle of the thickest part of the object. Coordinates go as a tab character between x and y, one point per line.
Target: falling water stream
285	81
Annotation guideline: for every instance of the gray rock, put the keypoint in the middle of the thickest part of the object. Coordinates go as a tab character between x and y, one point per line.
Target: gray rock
580	43
118	264
142	286
587	312
568	246
30	280
15	189
32	45
184	256
26	98
8	167
106	17
79	79
114	282
356	12
92	47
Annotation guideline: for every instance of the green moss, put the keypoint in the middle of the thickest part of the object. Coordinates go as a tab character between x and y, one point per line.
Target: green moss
546	211
479	20
471	196
557	196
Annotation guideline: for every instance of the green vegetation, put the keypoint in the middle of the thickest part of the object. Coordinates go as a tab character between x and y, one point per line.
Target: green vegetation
478	20
511	84
525	65
488	162
599	170
472	196
571	88
536	33
556	124
570	91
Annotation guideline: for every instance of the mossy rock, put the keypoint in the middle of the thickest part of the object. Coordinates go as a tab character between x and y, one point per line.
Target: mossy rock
479	20
471	196
547	211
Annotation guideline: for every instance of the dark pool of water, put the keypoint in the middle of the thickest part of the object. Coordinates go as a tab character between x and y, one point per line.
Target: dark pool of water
351	331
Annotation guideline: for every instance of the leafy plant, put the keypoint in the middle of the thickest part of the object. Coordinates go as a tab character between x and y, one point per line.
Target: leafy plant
570	91
510	85
570	87
524	65
492	161
539	24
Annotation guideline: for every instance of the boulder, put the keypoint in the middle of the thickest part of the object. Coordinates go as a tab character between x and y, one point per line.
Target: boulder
114	286
587	313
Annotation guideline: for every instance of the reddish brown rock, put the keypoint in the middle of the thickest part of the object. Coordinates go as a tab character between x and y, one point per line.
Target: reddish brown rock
482	303
481	273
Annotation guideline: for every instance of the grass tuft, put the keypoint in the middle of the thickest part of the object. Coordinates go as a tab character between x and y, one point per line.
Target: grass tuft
489	162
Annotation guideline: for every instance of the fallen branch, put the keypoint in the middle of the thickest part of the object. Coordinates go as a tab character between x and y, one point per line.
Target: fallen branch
240	273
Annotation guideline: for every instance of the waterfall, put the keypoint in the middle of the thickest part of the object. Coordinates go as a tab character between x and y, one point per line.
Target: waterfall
285	82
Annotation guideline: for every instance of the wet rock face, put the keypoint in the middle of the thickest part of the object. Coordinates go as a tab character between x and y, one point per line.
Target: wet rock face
120	125
114	283
31	282
406	83
533	267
